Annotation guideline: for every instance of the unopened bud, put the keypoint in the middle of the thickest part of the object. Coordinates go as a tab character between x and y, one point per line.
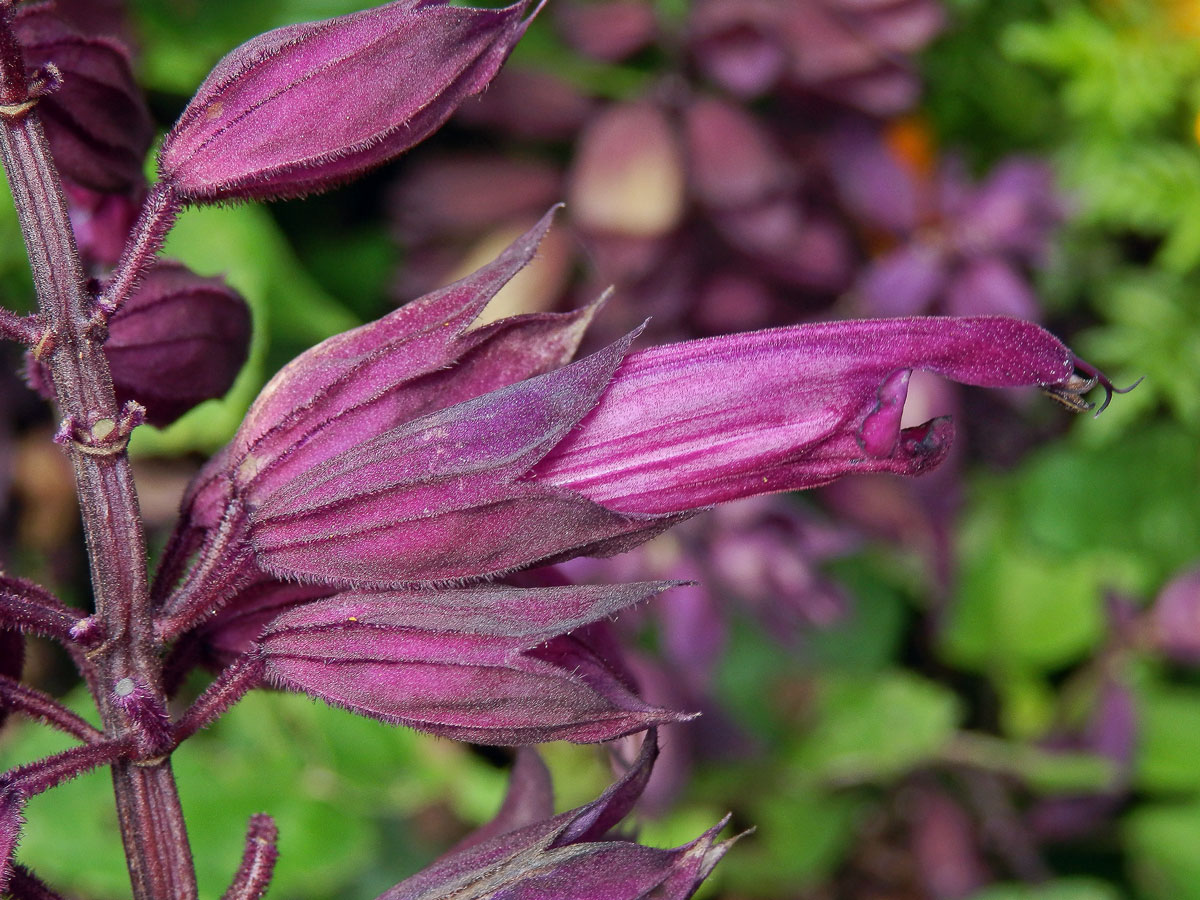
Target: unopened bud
374	82
179	340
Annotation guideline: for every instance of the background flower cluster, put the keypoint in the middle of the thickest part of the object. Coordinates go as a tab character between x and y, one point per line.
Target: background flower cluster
978	684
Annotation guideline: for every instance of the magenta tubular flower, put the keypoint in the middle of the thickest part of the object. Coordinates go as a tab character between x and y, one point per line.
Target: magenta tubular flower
808	405
377	81
490	664
593	458
179	340
565	857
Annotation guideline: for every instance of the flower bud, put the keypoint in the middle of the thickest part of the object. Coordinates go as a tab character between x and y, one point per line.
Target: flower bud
309	106
569	856
96	121
179	340
488	664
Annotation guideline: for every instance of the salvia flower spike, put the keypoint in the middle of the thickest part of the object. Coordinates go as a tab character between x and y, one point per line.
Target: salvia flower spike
374	83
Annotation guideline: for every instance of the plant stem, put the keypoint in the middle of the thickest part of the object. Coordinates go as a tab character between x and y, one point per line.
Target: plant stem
152	824
157	215
17	328
33	703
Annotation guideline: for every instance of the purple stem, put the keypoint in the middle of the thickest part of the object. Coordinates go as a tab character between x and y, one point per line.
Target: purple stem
24	885
31	609
244	674
36	705
38	777
215	578
152	825
23	329
158	213
258	861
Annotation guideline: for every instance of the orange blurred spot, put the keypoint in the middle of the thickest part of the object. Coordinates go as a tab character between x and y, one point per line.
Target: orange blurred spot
1183	17
911	141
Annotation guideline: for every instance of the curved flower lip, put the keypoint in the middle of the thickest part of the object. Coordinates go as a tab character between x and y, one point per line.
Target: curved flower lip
488	664
378	81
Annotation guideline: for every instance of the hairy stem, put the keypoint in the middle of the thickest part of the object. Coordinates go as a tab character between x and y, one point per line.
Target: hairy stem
258	861
149	232
152	825
36	705
243	675
27	886
22	329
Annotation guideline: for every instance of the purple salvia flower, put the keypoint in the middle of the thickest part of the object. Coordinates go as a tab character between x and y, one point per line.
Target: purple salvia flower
489	664
569	856
446	496
179	340
595	457
378	81
96	120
